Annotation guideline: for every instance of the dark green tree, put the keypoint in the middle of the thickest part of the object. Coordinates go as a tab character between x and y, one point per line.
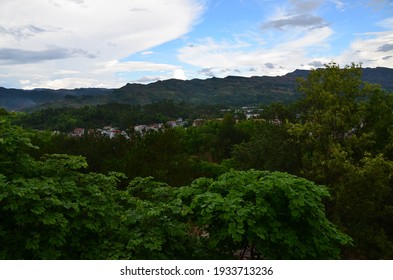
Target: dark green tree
341	120
51	209
270	148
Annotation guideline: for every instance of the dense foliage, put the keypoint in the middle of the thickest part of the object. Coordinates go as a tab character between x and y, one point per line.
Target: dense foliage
271	215
52	209
122	116
175	193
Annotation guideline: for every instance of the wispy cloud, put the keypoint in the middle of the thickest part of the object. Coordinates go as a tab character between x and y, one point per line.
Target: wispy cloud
145	53
373	49
300	13
20	56
133	66
385	48
21	32
340	5
77	1
302	20
380	4
316	64
305	5
224	58
291	38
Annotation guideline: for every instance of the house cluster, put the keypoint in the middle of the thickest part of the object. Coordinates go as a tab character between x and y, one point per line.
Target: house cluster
249	112
143	128
78	132
111	132
176	123
107	131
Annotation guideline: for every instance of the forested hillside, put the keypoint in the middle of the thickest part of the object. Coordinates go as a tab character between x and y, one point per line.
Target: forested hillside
122	116
306	180
19	100
228	92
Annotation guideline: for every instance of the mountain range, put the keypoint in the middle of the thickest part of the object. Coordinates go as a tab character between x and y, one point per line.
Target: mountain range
230	91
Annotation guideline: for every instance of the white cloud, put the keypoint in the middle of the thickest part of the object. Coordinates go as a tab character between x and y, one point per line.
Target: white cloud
67	83
81	35
372	49
133	66
290	51
24	82
313	39
296	36
340	5
179	74
145	53
387	23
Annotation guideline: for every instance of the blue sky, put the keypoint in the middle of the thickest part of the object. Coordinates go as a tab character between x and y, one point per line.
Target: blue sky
100	43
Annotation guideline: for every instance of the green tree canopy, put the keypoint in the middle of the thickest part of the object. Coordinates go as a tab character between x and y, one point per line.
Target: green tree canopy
274	215
343	135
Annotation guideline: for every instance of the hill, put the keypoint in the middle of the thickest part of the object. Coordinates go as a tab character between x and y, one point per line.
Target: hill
229	91
19	100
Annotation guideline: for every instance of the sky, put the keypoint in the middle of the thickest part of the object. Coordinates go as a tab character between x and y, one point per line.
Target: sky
101	43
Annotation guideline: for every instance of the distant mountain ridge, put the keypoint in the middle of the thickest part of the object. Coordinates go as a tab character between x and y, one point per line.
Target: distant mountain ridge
229	91
19	99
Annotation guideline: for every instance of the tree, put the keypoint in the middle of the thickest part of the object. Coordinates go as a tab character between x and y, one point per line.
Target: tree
273	215
330	111
363	206
14	144
378	121
154	225
341	120
270	148
48	209
52	209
